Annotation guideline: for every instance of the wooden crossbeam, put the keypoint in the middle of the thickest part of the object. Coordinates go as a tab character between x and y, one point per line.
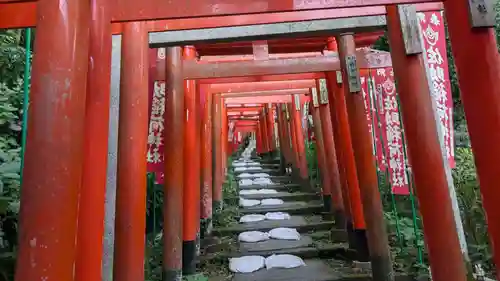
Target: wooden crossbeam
18	14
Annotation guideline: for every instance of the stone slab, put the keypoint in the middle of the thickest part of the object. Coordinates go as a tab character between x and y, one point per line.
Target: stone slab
274	186
271	172
286	196
274	245
315	270
292	207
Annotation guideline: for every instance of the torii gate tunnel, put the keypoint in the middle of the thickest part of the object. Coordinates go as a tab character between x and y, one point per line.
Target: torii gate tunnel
211	57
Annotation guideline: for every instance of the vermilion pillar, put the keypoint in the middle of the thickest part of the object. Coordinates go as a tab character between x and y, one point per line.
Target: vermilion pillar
217	152
347	165
287	138
331	162
206	164
175	116
224	141
265	130
54	152
378	244
322	165
91	206
281	138
130	220
426	159
270	127
293	135
258	138
476	58
299	136
191	204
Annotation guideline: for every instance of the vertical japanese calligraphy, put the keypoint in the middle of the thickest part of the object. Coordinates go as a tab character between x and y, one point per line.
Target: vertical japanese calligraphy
391	135
156	126
434	40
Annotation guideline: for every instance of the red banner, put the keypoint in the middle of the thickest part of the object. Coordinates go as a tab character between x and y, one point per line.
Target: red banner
387	102
434	37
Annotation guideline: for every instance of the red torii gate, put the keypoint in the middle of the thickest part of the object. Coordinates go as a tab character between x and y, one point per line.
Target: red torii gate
57	51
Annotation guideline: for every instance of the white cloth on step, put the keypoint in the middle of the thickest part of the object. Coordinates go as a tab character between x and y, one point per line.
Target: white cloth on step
248	202
277	216
252	218
245	182
284	261
249	192
245	176
271	201
267	191
246	264
263	181
253	168
284	233
253	236
261	175
240	169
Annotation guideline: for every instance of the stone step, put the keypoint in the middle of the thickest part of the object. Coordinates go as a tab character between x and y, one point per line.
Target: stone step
315	270
288	186
271	172
285	196
292	207
298	222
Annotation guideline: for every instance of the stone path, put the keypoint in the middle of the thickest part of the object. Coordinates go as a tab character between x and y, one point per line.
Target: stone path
305	208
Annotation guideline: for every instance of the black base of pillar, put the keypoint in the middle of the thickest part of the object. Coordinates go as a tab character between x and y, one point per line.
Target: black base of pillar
340	220
363	254
171	275
217	206
327	203
189	257
381	267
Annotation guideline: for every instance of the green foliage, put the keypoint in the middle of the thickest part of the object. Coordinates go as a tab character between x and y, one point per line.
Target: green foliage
471	208
12	62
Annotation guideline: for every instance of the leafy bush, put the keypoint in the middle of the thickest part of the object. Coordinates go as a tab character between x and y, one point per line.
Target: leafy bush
471	209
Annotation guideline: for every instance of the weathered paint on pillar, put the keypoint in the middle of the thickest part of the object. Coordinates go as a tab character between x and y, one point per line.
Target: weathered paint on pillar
332	164
376	232
426	159
191	204
110	200
54	152
476	58
92	193
206	165
174	166
299	136
322	165
347	165
130	221
217	152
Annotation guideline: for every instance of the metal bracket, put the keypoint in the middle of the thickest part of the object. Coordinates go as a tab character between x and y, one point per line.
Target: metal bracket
409	28
353	74
482	13
315	97
323	92
339	77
